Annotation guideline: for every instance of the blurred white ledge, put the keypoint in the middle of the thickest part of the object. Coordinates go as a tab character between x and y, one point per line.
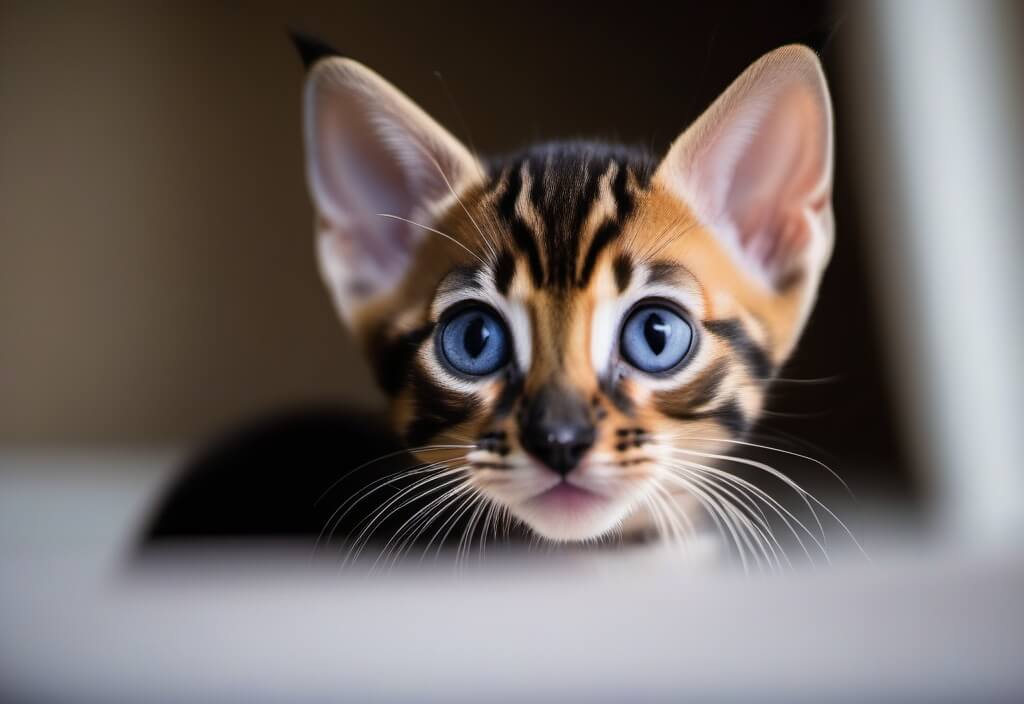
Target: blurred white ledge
225	624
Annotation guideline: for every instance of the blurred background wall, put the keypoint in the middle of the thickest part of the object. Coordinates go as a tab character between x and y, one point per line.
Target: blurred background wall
157	279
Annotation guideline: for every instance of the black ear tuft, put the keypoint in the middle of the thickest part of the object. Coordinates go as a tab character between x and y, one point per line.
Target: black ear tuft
311	49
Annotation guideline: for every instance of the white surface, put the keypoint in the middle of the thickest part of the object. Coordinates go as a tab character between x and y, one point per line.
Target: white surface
272	626
944	175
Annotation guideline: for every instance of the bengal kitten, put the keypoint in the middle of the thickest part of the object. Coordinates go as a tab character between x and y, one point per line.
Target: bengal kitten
572	335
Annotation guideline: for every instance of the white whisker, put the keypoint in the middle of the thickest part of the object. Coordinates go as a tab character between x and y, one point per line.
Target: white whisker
757	519
436	232
406	451
781	511
775	506
803	493
785	452
436	510
334	520
721	518
381	513
397	535
451	189
471	498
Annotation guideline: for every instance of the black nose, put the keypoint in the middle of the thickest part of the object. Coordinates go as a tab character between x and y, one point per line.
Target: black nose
556	428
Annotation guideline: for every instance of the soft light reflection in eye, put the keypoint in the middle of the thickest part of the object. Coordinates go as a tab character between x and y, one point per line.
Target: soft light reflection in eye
475	341
655	338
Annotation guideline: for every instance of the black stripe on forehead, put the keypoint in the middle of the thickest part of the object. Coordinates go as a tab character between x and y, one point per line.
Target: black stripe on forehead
521	234
733	333
604	236
610	230
503	271
622	267
566	180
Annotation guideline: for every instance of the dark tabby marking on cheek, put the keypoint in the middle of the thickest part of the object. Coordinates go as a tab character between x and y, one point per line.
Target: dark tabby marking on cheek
732	332
626	432
490	465
622	267
680	403
510	393
435	409
393	356
504	271
495	441
729	415
521	233
630	437
612	388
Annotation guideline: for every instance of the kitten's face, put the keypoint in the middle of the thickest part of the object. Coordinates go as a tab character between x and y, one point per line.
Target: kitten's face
571	319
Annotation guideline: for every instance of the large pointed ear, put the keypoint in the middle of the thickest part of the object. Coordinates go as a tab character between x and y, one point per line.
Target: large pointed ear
757	168
376	163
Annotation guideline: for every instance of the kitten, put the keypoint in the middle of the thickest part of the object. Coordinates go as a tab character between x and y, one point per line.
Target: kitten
571	335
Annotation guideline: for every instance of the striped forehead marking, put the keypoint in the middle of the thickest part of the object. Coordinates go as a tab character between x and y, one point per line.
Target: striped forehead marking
548	196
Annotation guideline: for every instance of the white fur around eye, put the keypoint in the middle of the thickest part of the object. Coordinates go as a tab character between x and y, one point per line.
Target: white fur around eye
611	310
519	325
512	310
439	372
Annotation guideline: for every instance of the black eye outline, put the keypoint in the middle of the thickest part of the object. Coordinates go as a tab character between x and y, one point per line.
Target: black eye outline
658	302
453	313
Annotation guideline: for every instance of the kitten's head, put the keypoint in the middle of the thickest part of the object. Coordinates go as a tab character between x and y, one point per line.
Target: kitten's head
575	315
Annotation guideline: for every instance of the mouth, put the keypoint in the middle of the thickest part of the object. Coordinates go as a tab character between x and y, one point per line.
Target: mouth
567	497
568	512
586	504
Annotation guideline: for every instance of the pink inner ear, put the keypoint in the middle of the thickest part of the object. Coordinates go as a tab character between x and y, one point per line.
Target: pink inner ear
757	167
356	178
376	164
776	180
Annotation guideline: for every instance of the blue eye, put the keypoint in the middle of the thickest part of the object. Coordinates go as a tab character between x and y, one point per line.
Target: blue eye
655	338
474	341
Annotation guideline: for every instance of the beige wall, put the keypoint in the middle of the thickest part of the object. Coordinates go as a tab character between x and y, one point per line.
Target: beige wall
156	269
